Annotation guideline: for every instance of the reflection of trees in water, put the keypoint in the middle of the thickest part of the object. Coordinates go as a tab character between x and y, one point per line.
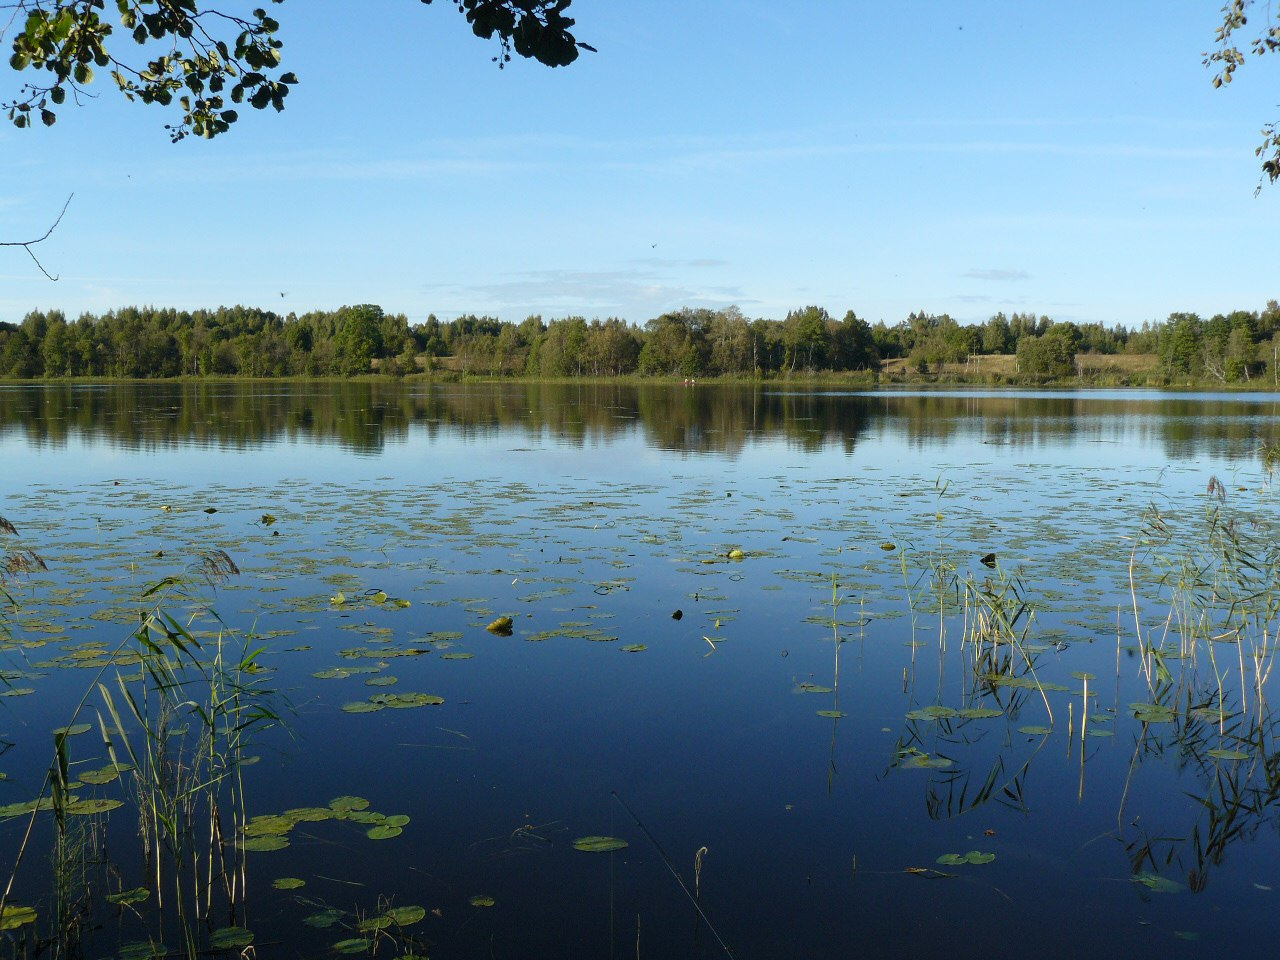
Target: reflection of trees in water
364	415
723	419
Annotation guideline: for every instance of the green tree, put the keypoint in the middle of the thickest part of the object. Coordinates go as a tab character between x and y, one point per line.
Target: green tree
1228	57
359	338
205	61
1046	357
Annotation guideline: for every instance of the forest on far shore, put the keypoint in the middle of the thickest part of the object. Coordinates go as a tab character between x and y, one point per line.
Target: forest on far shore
153	342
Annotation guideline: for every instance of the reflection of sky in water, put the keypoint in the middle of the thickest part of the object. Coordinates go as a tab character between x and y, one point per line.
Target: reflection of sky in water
810	826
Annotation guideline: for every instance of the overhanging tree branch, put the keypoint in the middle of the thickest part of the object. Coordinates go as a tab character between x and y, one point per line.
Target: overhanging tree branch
28	244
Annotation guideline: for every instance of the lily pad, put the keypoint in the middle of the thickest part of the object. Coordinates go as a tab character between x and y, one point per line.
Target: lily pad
634	648
92	805
288	883
1156	883
482	901
136	895
356	945
1152	712
324	919
264	844
973	856
404	916
15	916
228	938
833	714
383	832
599	844
1223	754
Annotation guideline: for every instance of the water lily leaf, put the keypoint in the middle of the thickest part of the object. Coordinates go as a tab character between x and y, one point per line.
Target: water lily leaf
269	826
456	656
264	844
1224	754
99	777
370	924
1036	731
1156	883
834	714
634	648
482	901
1152	712
362	706
228	938
973	856
356	945
141	950
599	844
73	730
404	916
933	713
349	803
92	805
397	820
923	761
979	713
288	883
136	895
383	832
15	916
324	919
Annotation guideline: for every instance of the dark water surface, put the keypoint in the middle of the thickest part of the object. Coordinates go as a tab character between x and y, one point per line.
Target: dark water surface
590	515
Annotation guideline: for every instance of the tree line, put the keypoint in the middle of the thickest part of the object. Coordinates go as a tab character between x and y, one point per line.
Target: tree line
150	342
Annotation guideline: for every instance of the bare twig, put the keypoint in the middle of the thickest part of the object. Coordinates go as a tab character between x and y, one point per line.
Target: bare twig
28	244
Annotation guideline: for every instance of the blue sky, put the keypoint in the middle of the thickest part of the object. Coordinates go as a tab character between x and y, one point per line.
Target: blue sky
968	157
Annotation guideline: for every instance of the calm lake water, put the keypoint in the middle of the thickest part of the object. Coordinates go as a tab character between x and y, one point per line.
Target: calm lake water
751	622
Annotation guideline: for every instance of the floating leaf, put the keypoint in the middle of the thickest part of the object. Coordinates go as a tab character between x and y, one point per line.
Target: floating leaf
633	648
349	803
599	844
404	916
383	832
136	895
228	938
324	919
264	844
141	950
1223	754
1156	883
1036	731
15	916
834	714
357	945
92	805
482	901
370	924
923	761
1152	712
73	730
288	883
973	856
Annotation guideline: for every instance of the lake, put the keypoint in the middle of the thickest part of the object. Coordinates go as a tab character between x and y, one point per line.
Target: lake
951	673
